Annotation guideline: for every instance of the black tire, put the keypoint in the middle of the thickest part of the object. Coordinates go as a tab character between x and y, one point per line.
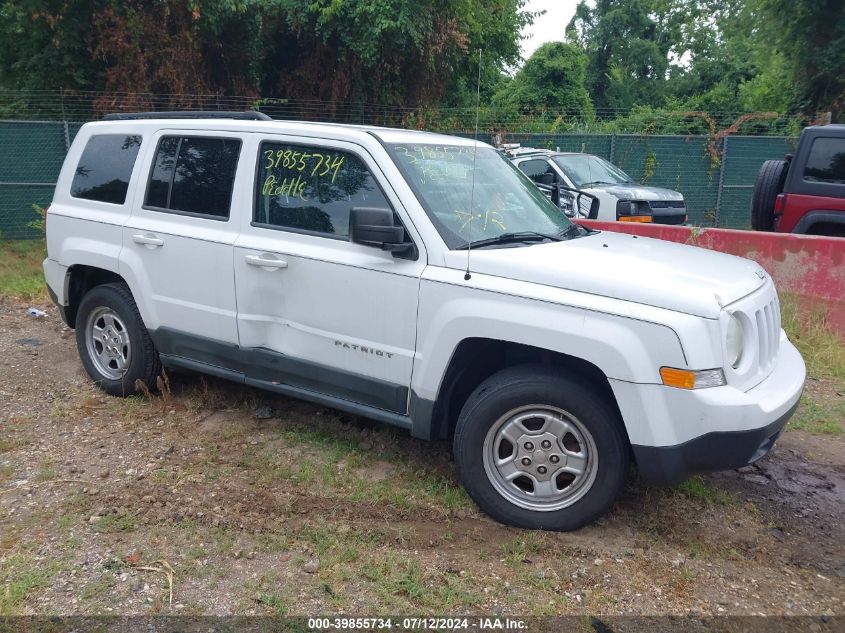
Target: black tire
143	361
507	391
769	184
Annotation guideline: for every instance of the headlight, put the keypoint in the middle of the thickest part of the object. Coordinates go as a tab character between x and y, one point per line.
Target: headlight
733	341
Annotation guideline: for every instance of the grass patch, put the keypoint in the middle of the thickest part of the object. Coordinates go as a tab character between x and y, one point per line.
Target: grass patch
819	417
8	444
23	576
699	488
520	549
405	585
46	473
7	471
274	601
195	552
822	348
20	269
115	523
97	589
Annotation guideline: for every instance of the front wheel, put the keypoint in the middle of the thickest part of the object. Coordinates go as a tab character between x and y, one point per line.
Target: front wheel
536	449
113	343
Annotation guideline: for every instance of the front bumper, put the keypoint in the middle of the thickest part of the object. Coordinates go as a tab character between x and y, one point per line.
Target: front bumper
722	450
721	428
671	216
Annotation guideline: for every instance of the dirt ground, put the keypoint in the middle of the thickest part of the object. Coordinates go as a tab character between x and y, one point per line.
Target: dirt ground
253	504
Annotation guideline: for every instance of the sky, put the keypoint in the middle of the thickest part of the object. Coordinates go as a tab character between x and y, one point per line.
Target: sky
548	27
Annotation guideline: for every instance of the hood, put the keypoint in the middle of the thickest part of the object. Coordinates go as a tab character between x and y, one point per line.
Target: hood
653	272
633	191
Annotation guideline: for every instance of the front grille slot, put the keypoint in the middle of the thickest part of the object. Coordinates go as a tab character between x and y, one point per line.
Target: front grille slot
767	320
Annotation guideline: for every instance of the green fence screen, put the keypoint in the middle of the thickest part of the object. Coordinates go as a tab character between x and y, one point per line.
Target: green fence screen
716	179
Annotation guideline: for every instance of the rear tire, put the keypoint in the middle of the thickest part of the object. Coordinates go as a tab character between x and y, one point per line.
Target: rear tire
113	343
540	450
769	184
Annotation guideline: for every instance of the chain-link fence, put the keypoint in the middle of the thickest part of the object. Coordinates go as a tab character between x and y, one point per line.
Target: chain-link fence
716	177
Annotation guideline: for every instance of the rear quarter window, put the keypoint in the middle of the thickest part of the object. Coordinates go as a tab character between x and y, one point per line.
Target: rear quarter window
826	161
105	167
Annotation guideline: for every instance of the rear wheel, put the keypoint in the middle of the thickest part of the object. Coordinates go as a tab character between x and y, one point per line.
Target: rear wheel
539	450
769	184
113	343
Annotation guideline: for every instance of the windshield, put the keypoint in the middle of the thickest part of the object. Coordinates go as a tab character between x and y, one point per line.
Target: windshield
586	169
502	200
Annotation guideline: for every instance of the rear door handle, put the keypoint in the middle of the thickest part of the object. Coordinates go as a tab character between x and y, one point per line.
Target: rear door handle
267	262
147	239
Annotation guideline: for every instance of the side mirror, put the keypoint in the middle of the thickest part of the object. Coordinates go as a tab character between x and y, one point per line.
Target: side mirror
373	226
594	209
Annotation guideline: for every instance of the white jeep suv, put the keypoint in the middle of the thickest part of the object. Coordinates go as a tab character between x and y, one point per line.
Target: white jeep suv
423	281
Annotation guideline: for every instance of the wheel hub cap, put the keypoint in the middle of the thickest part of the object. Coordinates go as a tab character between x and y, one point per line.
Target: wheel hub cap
107	343
539	462
540	457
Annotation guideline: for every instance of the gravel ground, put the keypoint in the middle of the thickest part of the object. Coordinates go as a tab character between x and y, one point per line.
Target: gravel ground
213	499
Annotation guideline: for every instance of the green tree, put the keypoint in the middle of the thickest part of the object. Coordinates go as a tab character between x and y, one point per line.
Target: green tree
173	47
627	47
552	80
407	53
810	34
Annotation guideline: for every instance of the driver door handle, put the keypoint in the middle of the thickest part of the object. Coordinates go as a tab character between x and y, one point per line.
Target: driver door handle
147	239
267	262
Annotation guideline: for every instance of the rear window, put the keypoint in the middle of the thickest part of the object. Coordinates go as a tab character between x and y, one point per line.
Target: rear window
105	167
826	162
194	174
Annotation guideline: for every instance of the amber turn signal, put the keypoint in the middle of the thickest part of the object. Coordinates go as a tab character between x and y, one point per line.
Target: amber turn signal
688	379
681	378
635	218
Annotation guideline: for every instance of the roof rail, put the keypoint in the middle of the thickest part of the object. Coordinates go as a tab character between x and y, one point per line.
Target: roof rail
248	115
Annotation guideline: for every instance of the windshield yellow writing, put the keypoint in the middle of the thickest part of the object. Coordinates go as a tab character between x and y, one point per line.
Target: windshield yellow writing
484	217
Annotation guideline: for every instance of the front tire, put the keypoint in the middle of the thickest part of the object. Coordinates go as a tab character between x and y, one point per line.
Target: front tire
539	450
113	343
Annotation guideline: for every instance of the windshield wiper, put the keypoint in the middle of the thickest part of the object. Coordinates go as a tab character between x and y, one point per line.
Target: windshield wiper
573	230
596	182
508	238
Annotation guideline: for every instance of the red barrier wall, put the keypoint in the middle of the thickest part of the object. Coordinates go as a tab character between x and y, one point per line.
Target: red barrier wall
809	266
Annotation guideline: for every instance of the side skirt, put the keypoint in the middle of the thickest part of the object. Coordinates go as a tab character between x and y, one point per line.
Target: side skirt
235	375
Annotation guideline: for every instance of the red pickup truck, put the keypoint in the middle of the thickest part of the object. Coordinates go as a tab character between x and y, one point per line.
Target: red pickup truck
805	192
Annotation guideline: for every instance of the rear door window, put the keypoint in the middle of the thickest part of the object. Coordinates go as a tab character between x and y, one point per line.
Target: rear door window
826	161
194	175
105	168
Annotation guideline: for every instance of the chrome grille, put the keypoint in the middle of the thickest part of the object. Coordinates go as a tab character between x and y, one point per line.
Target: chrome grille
767	320
666	204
